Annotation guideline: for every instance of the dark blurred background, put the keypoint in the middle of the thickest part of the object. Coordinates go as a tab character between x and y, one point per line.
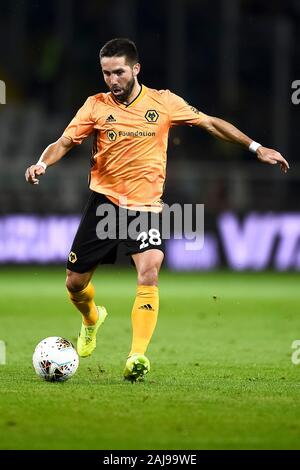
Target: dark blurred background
235	59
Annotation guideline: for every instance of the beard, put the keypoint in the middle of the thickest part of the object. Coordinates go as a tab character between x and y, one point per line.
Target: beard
122	94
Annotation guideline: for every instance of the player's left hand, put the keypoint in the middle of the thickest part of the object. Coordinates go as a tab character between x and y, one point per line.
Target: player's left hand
272	157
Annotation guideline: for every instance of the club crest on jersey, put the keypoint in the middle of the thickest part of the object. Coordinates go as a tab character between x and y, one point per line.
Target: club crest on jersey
151	115
112	135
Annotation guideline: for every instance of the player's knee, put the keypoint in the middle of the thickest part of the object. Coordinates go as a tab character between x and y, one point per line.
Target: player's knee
148	276
75	282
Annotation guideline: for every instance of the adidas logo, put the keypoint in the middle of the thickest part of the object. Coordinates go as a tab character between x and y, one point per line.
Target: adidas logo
146	307
110	118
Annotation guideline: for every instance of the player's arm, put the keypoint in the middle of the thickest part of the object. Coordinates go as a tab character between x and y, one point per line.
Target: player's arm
79	128
226	131
52	154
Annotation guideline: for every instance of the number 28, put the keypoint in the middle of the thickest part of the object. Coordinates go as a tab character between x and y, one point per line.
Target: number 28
152	237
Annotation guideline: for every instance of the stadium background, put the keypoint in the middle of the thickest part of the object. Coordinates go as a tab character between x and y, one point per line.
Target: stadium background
222	374
233	59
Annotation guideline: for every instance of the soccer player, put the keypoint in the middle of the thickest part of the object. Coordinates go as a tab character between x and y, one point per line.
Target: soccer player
130	124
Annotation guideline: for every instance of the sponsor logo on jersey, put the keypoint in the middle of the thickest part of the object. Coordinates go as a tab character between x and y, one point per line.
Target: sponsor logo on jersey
195	110
110	118
136	134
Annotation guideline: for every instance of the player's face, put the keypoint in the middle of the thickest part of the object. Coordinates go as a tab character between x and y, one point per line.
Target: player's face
119	76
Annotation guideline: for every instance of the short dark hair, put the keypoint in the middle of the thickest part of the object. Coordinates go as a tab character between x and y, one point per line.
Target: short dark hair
120	47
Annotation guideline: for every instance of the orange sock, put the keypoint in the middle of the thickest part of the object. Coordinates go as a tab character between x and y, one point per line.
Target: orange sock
144	318
84	302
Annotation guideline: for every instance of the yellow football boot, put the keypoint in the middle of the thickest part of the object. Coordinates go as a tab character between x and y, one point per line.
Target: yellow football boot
137	366
86	342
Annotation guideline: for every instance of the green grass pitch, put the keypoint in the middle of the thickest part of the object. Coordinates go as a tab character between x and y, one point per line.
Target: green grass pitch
221	378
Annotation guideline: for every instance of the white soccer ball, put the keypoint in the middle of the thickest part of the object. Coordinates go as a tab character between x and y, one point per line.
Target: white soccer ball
55	359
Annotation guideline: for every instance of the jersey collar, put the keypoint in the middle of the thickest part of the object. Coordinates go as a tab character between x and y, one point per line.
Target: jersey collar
136	99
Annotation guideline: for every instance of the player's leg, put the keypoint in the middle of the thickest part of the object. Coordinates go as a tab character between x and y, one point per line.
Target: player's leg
145	308
81	293
145	311
87	251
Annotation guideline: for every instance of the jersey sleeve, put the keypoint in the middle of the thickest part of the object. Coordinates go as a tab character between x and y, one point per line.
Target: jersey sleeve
181	112
82	125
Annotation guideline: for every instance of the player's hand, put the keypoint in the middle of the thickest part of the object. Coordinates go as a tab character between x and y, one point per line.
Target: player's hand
272	157
33	172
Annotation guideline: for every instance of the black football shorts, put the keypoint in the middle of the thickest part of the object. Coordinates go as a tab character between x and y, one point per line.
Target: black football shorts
105	226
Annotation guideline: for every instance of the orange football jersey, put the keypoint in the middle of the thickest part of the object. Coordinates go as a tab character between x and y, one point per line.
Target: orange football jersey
130	143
